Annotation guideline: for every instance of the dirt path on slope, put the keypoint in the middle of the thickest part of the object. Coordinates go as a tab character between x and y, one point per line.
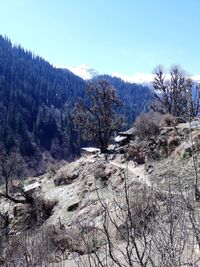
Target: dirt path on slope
137	172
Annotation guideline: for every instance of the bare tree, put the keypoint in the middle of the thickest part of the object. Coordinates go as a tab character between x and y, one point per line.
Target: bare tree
11	166
97	117
28	249
145	229
172	233
174	91
125	231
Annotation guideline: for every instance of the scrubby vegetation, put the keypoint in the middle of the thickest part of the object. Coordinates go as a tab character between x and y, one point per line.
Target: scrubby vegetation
147	124
134	204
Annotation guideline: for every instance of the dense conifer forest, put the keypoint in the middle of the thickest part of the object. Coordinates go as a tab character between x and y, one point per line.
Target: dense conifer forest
36	100
135	97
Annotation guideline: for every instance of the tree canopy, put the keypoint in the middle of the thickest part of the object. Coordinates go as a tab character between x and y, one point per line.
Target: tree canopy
36	100
98	117
176	94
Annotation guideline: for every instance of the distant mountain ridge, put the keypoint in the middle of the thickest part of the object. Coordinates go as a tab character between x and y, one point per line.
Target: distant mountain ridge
86	72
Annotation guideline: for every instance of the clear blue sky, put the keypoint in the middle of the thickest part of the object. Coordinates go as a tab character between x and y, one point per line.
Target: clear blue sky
125	36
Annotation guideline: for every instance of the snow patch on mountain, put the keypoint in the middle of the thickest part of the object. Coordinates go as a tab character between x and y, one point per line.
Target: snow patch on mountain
84	71
87	72
138	77
196	78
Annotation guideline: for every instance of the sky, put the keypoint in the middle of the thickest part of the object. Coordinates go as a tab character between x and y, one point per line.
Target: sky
122	37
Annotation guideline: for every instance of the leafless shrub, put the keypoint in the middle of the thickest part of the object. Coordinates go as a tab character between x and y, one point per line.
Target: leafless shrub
81	240
64	241
130	221
92	238
147	125
29	249
171	235
51	171
167	120
143	211
152	228
42	208
177	95
42	246
11	167
196	140
172	143
63	178
100	173
133	151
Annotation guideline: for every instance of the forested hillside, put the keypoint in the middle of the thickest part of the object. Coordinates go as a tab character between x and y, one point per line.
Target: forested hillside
136	97
36	100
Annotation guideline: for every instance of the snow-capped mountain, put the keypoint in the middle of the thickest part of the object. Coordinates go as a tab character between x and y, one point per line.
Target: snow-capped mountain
139	77
84	71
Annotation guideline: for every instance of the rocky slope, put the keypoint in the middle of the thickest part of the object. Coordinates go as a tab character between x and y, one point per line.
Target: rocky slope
79	191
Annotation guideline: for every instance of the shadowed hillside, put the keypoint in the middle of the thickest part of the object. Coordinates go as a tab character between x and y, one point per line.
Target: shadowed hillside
36	102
